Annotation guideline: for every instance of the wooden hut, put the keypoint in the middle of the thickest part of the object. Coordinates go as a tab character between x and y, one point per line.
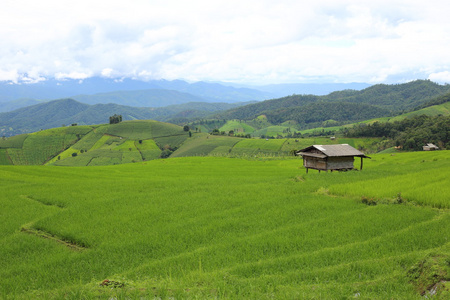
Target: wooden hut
330	157
430	147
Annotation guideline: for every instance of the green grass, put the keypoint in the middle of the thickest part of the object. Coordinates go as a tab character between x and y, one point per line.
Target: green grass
144	129
273	145
42	146
273	131
148	149
421	184
147	145
13	142
259	146
110	150
172	141
205	144
4	159
365	144
209	227
101	142
441	109
134	141
91	138
301	143
237	127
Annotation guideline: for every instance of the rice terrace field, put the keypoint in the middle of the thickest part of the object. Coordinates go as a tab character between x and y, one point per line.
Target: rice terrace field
227	228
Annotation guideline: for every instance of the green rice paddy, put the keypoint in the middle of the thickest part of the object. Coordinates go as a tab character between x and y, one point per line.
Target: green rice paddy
237	126
137	141
226	228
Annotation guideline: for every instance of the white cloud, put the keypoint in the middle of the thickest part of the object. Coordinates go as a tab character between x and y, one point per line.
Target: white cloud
72	75
247	41
441	77
10	75
107	72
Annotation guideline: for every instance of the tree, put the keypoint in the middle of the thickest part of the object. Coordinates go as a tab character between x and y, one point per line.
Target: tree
186	128
165	153
115	119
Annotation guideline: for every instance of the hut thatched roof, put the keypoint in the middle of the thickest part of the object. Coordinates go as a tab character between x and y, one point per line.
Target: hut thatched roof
323	151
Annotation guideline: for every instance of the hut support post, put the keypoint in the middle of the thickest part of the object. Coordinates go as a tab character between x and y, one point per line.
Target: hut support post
360	168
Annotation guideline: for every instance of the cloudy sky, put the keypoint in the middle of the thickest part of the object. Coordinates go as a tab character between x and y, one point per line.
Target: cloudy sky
245	41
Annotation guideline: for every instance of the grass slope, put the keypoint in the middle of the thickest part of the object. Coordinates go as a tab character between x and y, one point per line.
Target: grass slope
39	147
223	228
126	142
237	126
139	140
205	144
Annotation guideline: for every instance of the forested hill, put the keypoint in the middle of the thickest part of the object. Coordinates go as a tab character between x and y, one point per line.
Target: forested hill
67	111
378	98
316	113
397	97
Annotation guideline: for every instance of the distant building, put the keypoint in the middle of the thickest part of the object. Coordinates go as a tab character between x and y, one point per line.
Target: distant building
430	147
330	157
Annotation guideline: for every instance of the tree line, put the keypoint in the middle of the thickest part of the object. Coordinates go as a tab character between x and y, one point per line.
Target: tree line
408	134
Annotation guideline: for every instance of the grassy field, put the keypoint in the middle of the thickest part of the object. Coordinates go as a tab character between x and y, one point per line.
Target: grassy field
258	146
228	228
40	147
126	142
272	131
237	127
205	144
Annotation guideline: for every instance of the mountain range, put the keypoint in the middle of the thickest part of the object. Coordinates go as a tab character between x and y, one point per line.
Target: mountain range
393	99
307	111
63	112
154	93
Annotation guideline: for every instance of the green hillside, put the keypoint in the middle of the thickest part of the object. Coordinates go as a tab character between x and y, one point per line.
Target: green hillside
396	97
237	127
343	106
126	142
40	147
430	124
434	110
40	116
208	227
68	111
140	140
137	141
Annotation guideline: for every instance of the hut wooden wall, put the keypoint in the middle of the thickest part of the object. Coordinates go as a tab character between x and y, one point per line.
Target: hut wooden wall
340	162
315	163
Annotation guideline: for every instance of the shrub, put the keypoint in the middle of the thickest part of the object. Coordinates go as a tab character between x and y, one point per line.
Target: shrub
399	199
368	201
165	153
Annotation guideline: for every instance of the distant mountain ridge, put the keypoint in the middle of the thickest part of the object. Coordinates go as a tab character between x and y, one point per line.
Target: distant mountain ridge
55	89
68	111
319	89
132	92
340	107
16	104
141	98
390	98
